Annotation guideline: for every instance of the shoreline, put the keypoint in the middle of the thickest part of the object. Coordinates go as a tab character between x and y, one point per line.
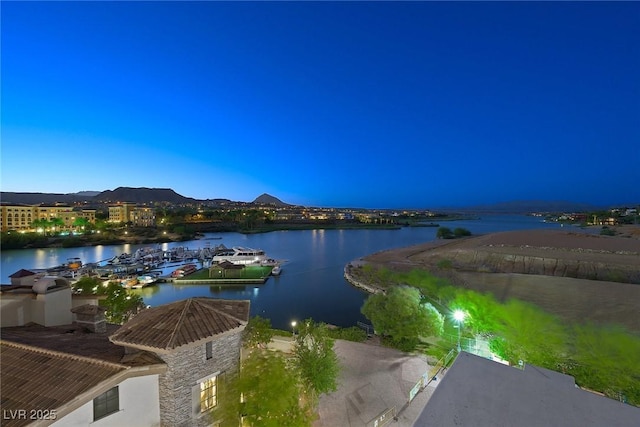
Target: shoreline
349	278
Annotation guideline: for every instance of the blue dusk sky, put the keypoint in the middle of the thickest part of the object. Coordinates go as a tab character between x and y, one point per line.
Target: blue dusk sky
345	104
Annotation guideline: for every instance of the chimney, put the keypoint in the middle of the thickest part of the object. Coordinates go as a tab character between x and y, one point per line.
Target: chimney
91	317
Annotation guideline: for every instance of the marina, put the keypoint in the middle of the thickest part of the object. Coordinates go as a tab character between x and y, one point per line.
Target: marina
147	266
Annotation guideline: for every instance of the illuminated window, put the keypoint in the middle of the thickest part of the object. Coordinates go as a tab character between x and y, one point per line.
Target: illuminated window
208	393
106	404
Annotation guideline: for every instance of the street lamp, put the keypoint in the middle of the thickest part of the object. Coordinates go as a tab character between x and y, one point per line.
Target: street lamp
459	316
293	327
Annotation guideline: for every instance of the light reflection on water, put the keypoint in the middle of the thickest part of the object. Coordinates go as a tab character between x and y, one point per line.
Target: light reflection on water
311	283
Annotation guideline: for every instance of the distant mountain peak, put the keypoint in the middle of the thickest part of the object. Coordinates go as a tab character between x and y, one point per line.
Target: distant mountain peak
267	199
143	195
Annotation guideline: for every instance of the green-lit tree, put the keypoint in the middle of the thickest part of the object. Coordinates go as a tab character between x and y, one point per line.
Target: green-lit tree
402	315
258	332
531	335
89	286
265	393
315	358
483	311
82	223
120	303
56	224
606	359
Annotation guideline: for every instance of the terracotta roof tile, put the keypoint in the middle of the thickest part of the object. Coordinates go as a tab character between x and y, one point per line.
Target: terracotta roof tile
25	369
74	339
184	322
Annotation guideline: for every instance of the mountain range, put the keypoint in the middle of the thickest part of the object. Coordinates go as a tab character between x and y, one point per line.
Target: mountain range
125	194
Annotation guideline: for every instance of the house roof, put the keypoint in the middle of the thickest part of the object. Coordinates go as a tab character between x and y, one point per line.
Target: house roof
75	340
21	273
170	326
479	392
34	378
228	265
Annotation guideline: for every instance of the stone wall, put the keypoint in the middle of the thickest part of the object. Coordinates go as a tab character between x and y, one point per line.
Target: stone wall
179	389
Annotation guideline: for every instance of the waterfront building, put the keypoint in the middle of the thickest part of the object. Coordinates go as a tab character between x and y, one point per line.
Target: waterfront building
21	217
130	212
143	217
63	365
120	212
17	217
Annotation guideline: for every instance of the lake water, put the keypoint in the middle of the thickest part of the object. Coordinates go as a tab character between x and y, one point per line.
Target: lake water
311	284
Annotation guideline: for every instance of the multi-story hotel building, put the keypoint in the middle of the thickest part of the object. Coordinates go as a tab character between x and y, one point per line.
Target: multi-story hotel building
21	217
129	212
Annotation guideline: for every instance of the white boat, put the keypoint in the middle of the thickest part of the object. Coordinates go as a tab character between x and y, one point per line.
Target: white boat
276	270
239	255
144	280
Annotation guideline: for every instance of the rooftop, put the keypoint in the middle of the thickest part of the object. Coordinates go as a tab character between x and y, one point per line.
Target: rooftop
25	369
479	392
183	322
76	340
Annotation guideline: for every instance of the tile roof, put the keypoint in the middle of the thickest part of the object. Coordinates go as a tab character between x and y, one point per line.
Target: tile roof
74	340
33	378
184	322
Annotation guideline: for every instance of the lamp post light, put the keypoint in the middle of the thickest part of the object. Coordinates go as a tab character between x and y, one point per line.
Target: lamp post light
293	327
458	315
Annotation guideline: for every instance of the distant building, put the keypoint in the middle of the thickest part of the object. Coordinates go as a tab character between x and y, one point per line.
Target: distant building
22	217
121	212
162	368
481	393
129	212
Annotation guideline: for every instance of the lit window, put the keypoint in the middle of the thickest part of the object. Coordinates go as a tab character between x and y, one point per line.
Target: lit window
106	404
209	350
208	393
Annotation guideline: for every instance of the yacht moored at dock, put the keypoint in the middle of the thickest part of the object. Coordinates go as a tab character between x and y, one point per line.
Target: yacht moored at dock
238	255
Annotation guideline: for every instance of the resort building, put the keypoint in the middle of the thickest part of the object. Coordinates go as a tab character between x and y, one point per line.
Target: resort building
17	217
143	217
22	217
162	368
129	212
121	212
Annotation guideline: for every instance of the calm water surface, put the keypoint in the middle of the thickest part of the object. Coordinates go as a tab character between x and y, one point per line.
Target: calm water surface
311	283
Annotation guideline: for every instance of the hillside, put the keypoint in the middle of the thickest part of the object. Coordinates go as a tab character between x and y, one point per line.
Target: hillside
127	194
267	199
43	198
143	195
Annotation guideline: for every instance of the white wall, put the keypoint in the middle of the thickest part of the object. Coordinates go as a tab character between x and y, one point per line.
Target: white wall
15	310
139	406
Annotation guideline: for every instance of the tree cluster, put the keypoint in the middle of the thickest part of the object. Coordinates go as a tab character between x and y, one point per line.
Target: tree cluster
602	358
272	389
120	303
446	233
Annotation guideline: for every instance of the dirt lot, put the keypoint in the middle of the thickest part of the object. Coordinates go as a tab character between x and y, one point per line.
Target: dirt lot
574	274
